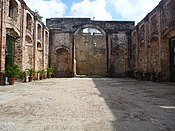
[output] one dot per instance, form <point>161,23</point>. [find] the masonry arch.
<point>13,9</point>
<point>169,35</point>
<point>29,22</point>
<point>90,51</point>
<point>12,45</point>
<point>62,61</point>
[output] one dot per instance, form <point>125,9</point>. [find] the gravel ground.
<point>87,104</point>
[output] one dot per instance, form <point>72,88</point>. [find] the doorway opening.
<point>10,50</point>
<point>90,52</point>
<point>172,60</point>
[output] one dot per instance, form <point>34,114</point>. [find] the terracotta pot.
<point>30,79</point>
<point>41,77</point>
<point>49,75</point>
<point>1,77</point>
<point>11,81</point>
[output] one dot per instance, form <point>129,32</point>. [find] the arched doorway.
<point>12,40</point>
<point>172,58</point>
<point>90,51</point>
<point>62,62</point>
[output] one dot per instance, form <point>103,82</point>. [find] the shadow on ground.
<point>138,105</point>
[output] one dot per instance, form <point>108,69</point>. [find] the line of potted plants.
<point>147,75</point>
<point>13,71</point>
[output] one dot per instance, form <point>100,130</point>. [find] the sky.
<point>117,10</point>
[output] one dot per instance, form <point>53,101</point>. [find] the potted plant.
<point>153,75</point>
<point>50,71</point>
<point>31,73</point>
<point>1,77</point>
<point>42,74</point>
<point>22,76</point>
<point>12,71</point>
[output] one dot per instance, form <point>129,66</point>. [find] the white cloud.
<point>49,8</point>
<point>129,9</point>
<point>134,9</point>
<point>90,9</point>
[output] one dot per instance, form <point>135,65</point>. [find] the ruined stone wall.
<point>19,22</point>
<point>28,40</point>
<point>112,55</point>
<point>119,54</point>
<point>61,54</point>
<point>150,40</point>
<point>2,33</point>
<point>46,48</point>
<point>91,54</point>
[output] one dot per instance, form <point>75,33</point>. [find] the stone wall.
<point>60,53</point>
<point>91,54</point>
<point>109,58</point>
<point>151,40</point>
<point>31,44</point>
<point>119,54</point>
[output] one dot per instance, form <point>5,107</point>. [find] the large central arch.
<point>90,51</point>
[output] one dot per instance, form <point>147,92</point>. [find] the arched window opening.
<point>154,23</point>
<point>46,42</point>
<point>61,51</point>
<point>142,34</point>
<point>13,9</point>
<point>39,46</point>
<point>28,39</point>
<point>39,31</point>
<point>91,31</point>
<point>47,37</point>
<point>29,22</point>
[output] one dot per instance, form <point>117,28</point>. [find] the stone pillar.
<point>108,37</point>
<point>3,12</point>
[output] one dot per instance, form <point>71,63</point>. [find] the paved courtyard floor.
<point>87,104</point>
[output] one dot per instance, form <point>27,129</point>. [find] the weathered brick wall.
<point>151,39</point>
<point>91,54</point>
<point>119,54</point>
<point>117,40</point>
<point>60,53</point>
<point>21,25</point>
<point>3,12</point>
<point>46,48</point>
<point>28,41</point>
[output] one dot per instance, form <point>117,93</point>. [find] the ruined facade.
<point>153,42</point>
<point>24,39</point>
<point>120,47</point>
<point>81,46</point>
<point>102,50</point>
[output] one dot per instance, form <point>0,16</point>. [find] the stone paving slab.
<point>87,104</point>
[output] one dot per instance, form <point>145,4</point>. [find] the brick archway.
<point>90,51</point>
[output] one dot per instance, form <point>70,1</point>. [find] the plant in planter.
<point>31,73</point>
<point>22,76</point>
<point>147,76</point>
<point>50,72</point>
<point>42,74</point>
<point>141,74</point>
<point>153,75</point>
<point>1,77</point>
<point>12,71</point>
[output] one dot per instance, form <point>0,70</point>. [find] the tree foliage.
<point>36,13</point>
